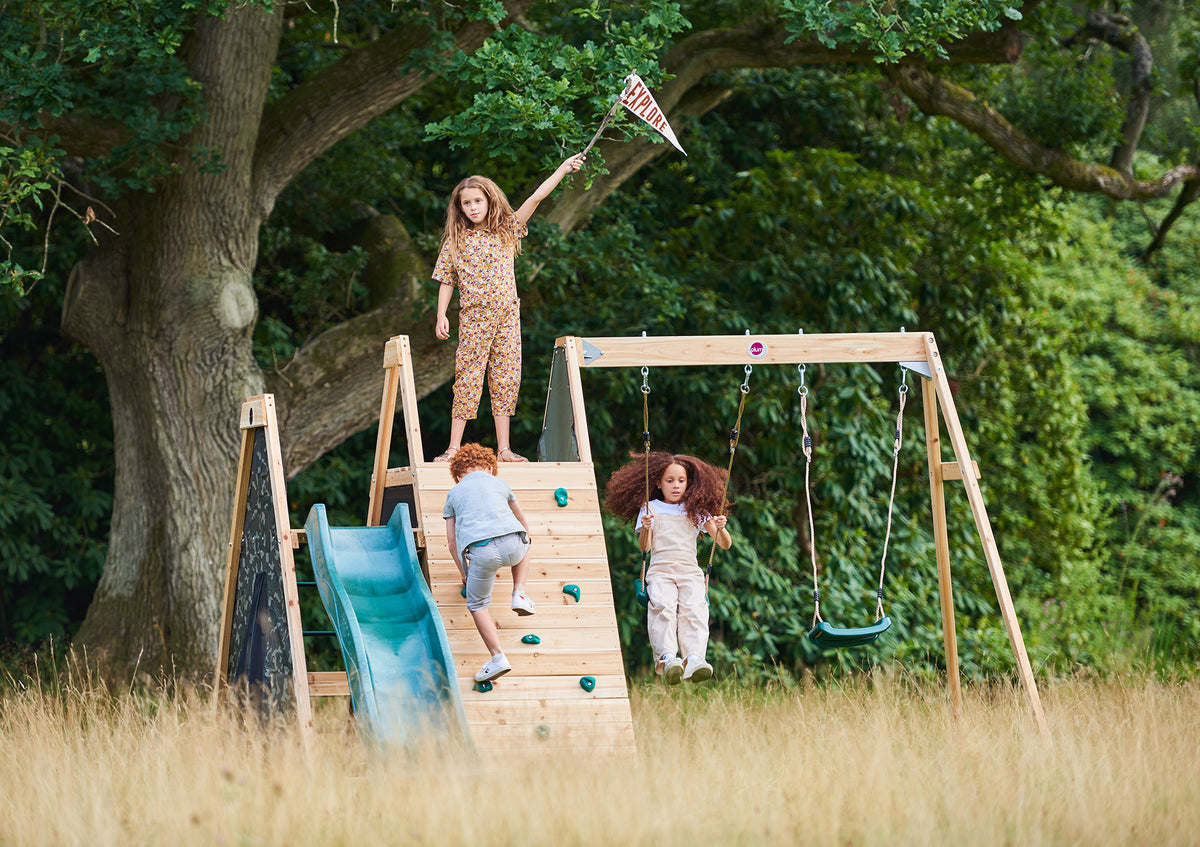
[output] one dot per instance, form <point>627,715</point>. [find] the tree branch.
<point>347,95</point>
<point>1189,195</point>
<point>1119,32</point>
<point>758,43</point>
<point>937,96</point>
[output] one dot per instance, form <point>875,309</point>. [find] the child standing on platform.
<point>686,499</point>
<point>482,238</point>
<point>486,530</point>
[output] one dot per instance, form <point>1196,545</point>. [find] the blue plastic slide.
<point>398,662</point>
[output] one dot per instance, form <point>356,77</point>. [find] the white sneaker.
<point>495,667</point>
<point>521,604</point>
<point>673,670</point>
<point>696,669</point>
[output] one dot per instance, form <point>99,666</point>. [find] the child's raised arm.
<point>569,166</point>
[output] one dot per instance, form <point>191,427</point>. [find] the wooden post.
<point>984,528</point>
<point>575,382</point>
<point>397,380</point>
<point>941,540</point>
<point>383,443</point>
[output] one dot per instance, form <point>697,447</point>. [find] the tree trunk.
<point>169,313</point>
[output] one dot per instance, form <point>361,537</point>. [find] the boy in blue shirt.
<point>486,530</point>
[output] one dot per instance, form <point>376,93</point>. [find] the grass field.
<point>870,762</point>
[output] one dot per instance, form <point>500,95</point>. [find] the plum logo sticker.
<point>757,350</point>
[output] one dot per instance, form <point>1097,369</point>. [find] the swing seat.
<point>832,636</point>
<point>639,591</point>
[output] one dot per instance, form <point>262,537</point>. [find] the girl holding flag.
<point>479,245</point>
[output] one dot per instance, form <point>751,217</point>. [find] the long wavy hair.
<point>499,216</point>
<point>625,493</point>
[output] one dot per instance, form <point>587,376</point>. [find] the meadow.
<point>875,759</point>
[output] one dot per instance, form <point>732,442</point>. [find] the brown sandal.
<point>447,456</point>
<point>508,451</point>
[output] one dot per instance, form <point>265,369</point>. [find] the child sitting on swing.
<point>673,500</point>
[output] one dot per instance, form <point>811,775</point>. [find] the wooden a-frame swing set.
<point>916,351</point>
<point>261,582</point>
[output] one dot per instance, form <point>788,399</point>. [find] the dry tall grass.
<point>867,763</point>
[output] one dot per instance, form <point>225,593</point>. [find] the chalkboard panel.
<point>393,496</point>
<point>260,651</point>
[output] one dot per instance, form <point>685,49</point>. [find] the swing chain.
<point>746,381</point>
<point>646,412</point>
<point>902,390</point>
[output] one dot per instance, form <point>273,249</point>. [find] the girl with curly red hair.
<point>686,499</point>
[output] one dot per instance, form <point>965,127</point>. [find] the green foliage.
<point>23,179</point>
<point>305,287</point>
<point>892,30</point>
<point>533,86</point>
<point>56,476</point>
<point>1136,364</point>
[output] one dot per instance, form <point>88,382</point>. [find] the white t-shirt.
<point>662,507</point>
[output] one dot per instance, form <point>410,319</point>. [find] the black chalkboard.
<point>260,658</point>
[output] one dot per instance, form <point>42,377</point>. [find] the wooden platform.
<point>540,704</point>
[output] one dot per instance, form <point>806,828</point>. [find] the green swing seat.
<point>832,636</point>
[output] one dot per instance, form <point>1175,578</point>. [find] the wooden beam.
<point>253,413</point>
<point>328,684</point>
<point>672,350</point>
<point>951,471</point>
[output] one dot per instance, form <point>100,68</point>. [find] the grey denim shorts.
<point>484,559</point>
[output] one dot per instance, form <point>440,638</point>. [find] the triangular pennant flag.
<point>638,99</point>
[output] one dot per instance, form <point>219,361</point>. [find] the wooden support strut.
<point>983,527</point>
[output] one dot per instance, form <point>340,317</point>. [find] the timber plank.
<point>527,688</point>
<point>545,711</point>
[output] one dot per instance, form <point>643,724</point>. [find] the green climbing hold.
<point>530,639</point>
<point>573,590</point>
<point>587,683</point>
<point>560,496</point>
<point>483,687</point>
<point>542,731</point>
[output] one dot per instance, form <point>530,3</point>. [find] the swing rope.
<point>641,587</point>
<point>903,390</point>
<point>802,390</point>
<point>812,534</point>
<point>734,436</point>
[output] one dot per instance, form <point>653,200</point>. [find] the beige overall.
<point>677,614</point>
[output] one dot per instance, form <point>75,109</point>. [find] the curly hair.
<point>471,456</point>
<point>625,493</point>
<point>499,215</point>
